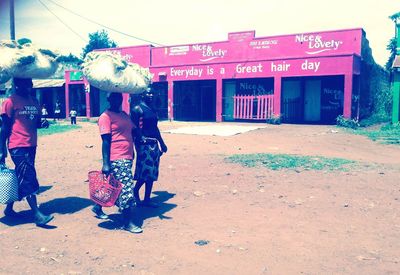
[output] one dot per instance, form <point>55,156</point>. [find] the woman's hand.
<point>164,147</point>
<point>106,169</point>
<point>44,124</point>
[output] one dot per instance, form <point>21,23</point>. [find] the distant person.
<point>149,147</point>
<point>117,150</point>
<point>44,112</point>
<point>21,117</point>
<point>57,111</point>
<point>72,114</point>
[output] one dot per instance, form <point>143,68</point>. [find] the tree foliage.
<point>391,46</point>
<point>23,41</point>
<point>69,59</point>
<point>98,40</point>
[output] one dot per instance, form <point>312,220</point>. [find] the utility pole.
<point>12,24</point>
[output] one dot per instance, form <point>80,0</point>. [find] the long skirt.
<point>122,171</point>
<point>24,160</point>
<point>147,162</point>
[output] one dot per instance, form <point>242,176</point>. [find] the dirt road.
<point>255,220</point>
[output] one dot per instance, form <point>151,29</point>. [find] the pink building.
<point>302,78</point>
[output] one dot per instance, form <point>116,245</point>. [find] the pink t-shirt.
<point>120,126</point>
<point>24,113</point>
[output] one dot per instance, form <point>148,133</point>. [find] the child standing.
<point>73,115</point>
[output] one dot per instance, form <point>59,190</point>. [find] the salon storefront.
<point>300,78</point>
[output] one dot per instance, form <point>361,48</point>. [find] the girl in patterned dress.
<point>149,147</point>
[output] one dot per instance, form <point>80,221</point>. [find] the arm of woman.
<point>137,118</point>
<point>5,131</point>
<point>105,150</point>
<point>164,147</point>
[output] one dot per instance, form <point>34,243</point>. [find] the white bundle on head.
<point>110,72</point>
<point>25,61</point>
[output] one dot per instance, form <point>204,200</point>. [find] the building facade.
<point>299,78</point>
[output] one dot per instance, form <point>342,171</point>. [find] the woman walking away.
<point>116,130</point>
<point>21,118</point>
<point>147,141</point>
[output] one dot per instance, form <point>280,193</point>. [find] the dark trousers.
<point>24,160</point>
<point>73,120</point>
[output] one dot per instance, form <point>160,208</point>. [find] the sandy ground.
<point>256,221</point>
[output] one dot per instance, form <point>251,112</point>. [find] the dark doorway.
<point>312,99</point>
<point>77,99</point>
<point>195,100</point>
<point>160,99</point>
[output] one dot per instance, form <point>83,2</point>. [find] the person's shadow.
<point>67,205</point>
<point>142,213</point>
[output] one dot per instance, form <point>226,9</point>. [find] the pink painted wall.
<point>134,54</point>
<point>244,46</point>
<point>290,67</point>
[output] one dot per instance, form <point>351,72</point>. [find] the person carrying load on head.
<point>21,117</point>
<point>116,130</point>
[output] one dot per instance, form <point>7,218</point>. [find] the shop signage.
<point>208,52</point>
<point>294,67</point>
<point>128,57</point>
<point>317,44</point>
<point>76,76</point>
<point>263,44</point>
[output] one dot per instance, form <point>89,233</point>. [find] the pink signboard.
<point>313,66</point>
<point>135,54</point>
<point>243,46</point>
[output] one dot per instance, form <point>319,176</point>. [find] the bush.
<point>347,122</point>
<point>375,119</point>
<point>275,119</point>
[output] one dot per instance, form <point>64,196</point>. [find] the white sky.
<point>187,21</point>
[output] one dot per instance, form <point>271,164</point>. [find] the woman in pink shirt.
<point>21,118</point>
<point>116,130</point>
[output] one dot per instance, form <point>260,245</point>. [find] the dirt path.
<point>256,221</point>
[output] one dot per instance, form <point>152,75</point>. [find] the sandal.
<point>43,220</point>
<point>133,229</point>
<point>99,213</point>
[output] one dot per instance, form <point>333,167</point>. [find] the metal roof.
<point>48,83</point>
<point>396,62</point>
<point>39,83</point>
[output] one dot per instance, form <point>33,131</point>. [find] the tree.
<point>391,46</point>
<point>69,59</point>
<point>98,40</point>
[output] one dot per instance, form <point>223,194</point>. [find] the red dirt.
<point>257,221</point>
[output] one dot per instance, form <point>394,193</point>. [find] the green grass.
<point>388,134</point>
<point>57,128</point>
<point>293,162</point>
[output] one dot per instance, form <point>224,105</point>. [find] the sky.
<point>176,22</point>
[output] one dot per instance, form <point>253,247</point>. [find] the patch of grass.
<point>57,128</point>
<point>283,161</point>
<point>387,134</point>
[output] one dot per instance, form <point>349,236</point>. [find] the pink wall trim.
<point>277,95</point>
<point>348,91</point>
<point>218,107</point>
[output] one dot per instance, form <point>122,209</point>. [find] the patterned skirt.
<point>122,171</point>
<point>24,160</point>
<point>147,162</point>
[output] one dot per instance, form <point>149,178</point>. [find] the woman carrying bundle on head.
<point>20,120</point>
<point>116,130</point>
